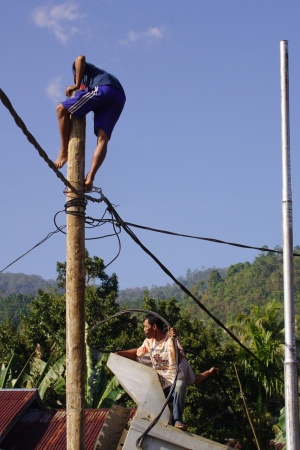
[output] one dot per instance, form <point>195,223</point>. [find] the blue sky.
<point>197,149</point>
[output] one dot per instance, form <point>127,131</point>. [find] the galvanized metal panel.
<point>12,403</point>
<point>46,430</point>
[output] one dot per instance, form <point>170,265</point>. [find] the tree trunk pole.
<point>75,291</point>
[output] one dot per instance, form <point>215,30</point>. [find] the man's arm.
<point>130,354</point>
<point>174,334</point>
<point>202,376</point>
<point>79,72</point>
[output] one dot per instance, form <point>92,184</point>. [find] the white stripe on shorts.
<point>85,98</point>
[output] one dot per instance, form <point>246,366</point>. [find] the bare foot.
<point>88,183</point>
<point>61,159</point>
<point>180,425</point>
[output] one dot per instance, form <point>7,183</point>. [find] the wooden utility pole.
<point>75,291</point>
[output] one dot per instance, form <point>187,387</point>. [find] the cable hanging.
<point>218,241</point>
<point>19,122</point>
<point>6,102</point>
<point>182,287</point>
<point>49,235</point>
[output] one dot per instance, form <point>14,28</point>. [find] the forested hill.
<point>224,292</point>
<point>18,290</point>
<point>19,283</point>
<point>133,296</point>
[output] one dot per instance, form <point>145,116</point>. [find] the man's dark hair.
<point>153,320</point>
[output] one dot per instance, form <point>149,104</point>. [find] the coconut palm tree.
<point>262,332</point>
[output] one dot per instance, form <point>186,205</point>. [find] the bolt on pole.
<point>290,358</point>
<point>75,290</point>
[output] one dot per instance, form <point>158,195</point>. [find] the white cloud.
<point>62,20</point>
<point>54,90</point>
<point>150,36</point>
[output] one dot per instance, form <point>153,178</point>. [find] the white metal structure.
<point>142,384</point>
<point>290,360</point>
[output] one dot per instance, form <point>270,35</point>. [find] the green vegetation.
<point>248,298</point>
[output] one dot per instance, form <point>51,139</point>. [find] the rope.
<point>6,102</point>
<point>19,122</point>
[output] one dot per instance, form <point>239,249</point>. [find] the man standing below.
<point>94,90</point>
<point>159,345</point>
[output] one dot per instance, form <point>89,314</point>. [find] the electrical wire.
<point>182,287</point>
<point>125,225</point>
<point>6,102</point>
<point>59,229</point>
<point>218,241</point>
<point>101,222</point>
<point>19,122</point>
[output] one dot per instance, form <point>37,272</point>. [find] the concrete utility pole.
<point>290,360</point>
<point>75,291</point>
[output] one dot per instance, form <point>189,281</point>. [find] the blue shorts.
<point>106,102</point>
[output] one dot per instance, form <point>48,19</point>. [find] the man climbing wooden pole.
<point>75,290</point>
<point>95,90</point>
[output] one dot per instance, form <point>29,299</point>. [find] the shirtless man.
<point>94,90</point>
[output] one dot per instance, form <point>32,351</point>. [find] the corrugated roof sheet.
<point>13,404</point>
<point>26,425</point>
<point>45,430</point>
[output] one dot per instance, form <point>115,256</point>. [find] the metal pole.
<point>75,291</point>
<point>290,361</point>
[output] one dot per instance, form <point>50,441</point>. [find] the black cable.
<point>182,287</point>
<point>6,102</point>
<point>90,220</point>
<point>127,311</point>
<point>59,229</point>
<point>119,241</point>
<point>218,241</point>
<point>79,203</point>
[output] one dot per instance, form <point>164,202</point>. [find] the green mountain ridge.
<point>20,283</point>
<point>17,290</point>
<point>225,292</point>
